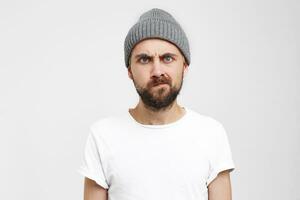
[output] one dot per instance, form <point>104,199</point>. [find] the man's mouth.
<point>159,84</point>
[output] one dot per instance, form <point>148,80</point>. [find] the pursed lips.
<point>159,84</point>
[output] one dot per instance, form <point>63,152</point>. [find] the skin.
<point>165,64</point>
<point>156,61</point>
<point>220,187</point>
<point>93,191</point>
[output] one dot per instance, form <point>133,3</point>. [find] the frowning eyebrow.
<point>142,55</point>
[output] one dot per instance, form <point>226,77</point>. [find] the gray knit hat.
<point>157,23</point>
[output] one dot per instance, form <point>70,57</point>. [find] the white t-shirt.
<point>174,161</point>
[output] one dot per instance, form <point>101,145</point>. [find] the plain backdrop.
<point>62,67</point>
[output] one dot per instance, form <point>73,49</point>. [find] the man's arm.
<point>220,188</point>
<point>93,191</point>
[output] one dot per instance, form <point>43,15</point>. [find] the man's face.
<point>157,68</point>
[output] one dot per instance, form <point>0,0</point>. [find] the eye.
<point>144,60</point>
<point>168,58</point>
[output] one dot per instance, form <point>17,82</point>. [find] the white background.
<point>62,68</point>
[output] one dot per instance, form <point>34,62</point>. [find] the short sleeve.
<point>221,156</point>
<point>92,166</point>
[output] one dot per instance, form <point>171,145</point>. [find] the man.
<point>158,150</point>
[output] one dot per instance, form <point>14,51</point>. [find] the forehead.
<point>155,46</point>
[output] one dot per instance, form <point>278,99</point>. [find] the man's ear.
<point>185,68</point>
<point>129,72</point>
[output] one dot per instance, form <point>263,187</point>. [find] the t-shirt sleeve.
<point>92,162</point>
<point>221,157</point>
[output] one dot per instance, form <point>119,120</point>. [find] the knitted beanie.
<point>157,23</point>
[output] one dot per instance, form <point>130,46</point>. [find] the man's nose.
<point>157,68</point>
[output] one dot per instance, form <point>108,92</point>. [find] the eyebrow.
<point>141,55</point>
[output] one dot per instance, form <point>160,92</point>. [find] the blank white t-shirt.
<point>174,161</point>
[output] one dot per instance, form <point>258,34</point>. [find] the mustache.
<point>158,81</point>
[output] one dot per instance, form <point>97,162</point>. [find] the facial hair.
<point>157,99</point>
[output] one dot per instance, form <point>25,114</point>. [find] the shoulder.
<point>209,127</point>
<point>204,119</point>
<point>105,125</point>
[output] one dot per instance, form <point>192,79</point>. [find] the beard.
<point>157,97</point>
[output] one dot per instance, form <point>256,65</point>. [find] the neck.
<point>144,115</point>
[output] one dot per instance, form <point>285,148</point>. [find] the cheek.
<point>176,78</point>
<point>140,78</point>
